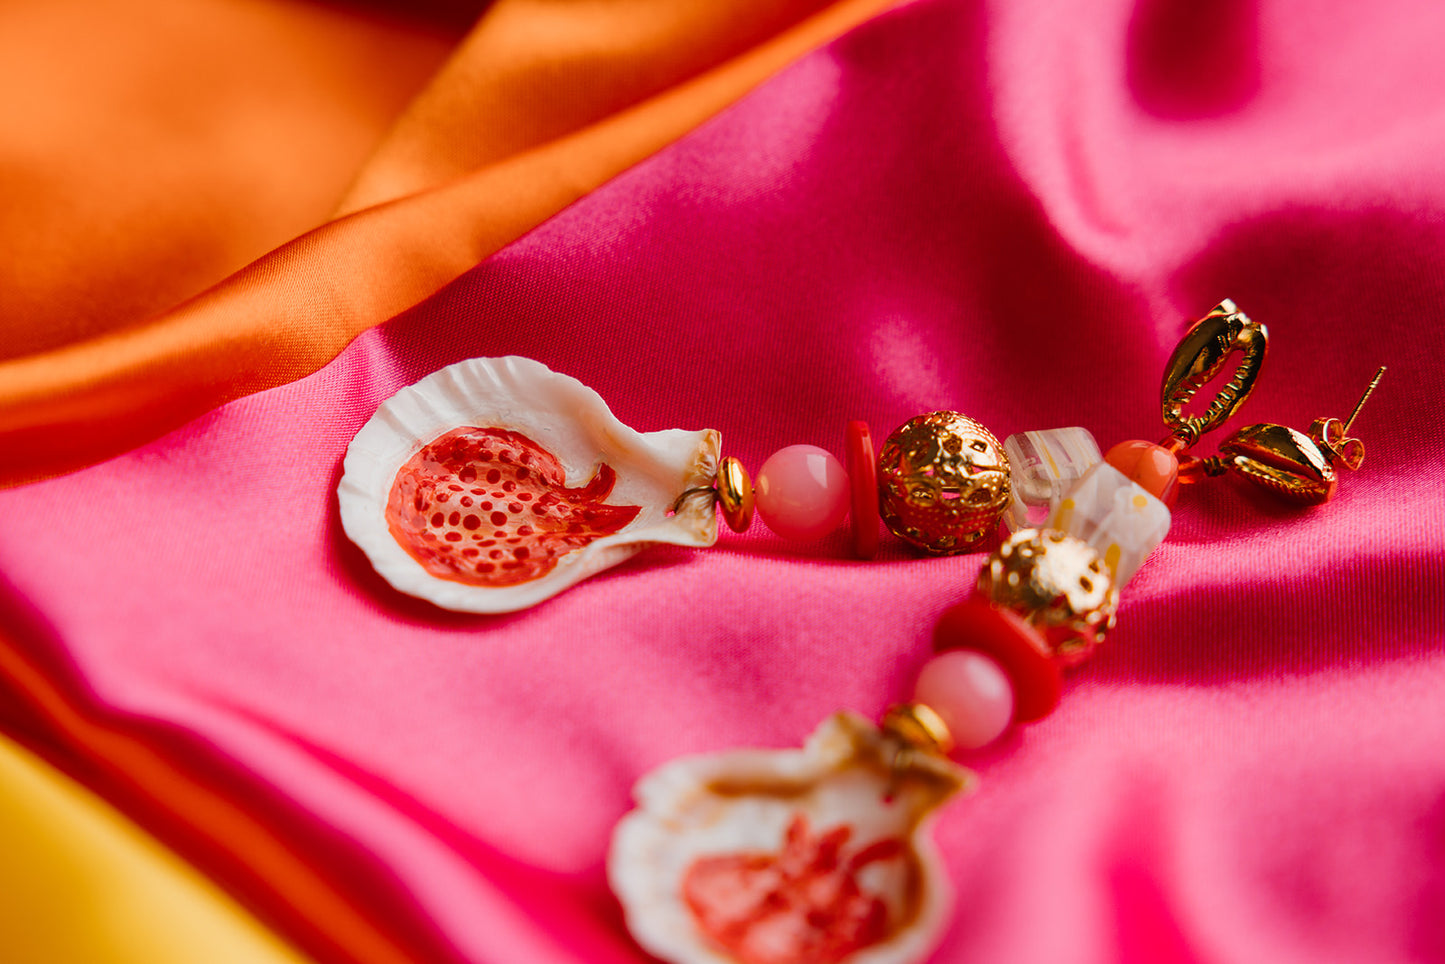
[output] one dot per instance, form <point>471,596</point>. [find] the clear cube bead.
<point>1116,516</point>
<point>1043,467</point>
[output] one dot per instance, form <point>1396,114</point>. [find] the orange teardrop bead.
<point>1152,467</point>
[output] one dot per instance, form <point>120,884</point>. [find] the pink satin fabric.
<point>1011,209</point>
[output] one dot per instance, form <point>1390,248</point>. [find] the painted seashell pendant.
<point>819,855</point>
<point>496,483</point>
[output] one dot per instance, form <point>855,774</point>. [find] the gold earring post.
<point>1364,398</point>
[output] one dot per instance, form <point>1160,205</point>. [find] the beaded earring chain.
<point>458,490</point>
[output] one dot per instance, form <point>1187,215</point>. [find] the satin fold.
<point>150,148</point>
<point>292,310</point>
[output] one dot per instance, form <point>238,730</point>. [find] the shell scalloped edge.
<point>561,415</point>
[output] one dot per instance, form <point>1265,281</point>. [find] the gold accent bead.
<point>735,494</point>
<point>943,482</point>
<point>920,726</point>
<point>1059,584</point>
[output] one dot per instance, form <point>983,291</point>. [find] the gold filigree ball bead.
<point>1059,585</point>
<point>943,482</point>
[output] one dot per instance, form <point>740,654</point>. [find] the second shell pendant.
<point>818,855</point>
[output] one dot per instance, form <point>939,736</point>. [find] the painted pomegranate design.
<point>804,904</point>
<point>818,855</point>
<point>491,507</point>
<point>496,483</point>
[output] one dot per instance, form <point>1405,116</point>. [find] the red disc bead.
<point>863,477</point>
<point>1152,467</point>
<point>1014,644</point>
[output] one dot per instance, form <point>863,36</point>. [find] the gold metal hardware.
<point>1201,355</point>
<point>919,726</point>
<point>1334,438</point>
<point>1281,460</point>
<point>1295,465</point>
<point>1059,584</point>
<point>735,494</point>
<point>943,482</point>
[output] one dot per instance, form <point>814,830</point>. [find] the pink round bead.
<point>802,492</point>
<point>971,692</point>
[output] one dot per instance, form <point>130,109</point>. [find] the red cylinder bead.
<point>1014,644</point>
<point>1152,467</point>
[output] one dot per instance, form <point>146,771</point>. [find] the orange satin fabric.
<point>149,148</point>
<point>541,103</point>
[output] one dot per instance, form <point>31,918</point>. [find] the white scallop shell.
<point>703,807</point>
<point>563,416</point>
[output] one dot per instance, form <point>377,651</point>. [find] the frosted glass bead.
<point>1043,467</point>
<point>802,492</point>
<point>972,694</point>
<point>1116,516</point>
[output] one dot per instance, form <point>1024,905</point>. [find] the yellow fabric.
<point>80,884</point>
